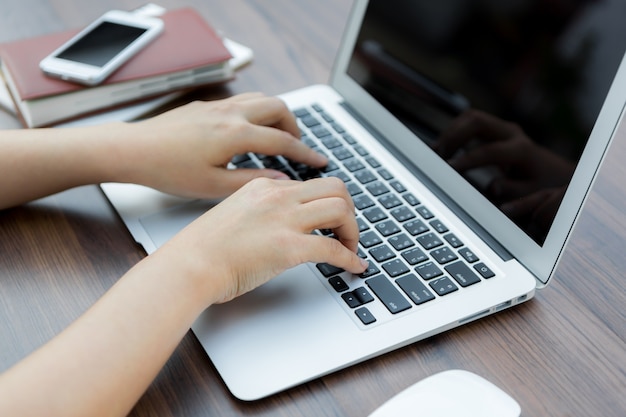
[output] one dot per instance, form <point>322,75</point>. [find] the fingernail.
<point>364,263</point>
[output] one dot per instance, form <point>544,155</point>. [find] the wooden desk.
<point>562,354</point>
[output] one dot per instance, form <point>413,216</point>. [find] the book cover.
<point>188,53</point>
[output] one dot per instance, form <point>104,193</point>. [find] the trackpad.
<point>163,225</point>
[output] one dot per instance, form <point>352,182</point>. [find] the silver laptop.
<point>447,243</point>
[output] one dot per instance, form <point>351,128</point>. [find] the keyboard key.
<point>484,270</point>
<point>369,239</point>
<point>387,228</point>
<point>374,214</point>
<point>388,294</point>
<point>362,151</point>
<point>462,274</point>
<point>373,162</point>
<point>382,253</point>
<point>342,153</point>
<point>428,270</point>
<point>328,270</point>
<point>395,268</point>
<point>416,227</point>
<point>363,226</point>
<point>362,201</point>
<point>339,174</point>
<point>301,112</point>
<point>249,164</point>
<point>328,118</point>
<point>397,185</point>
<point>443,286</point>
<point>309,121</point>
<point>385,174</point>
<point>402,214</point>
<point>401,242</point>
<point>415,289</point>
<point>309,173</point>
<point>444,255</point>
<point>320,131</point>
<point>425,213</point>
<point>353,165</point>
<point>237,159</point>
<point>438,226</point>
<point>351,300</point>
<point>363,295</point>
<point>353,188</point>
<point>410,198</point>
<point>377,188</point>
<point>468,255</point>
<point>414,256</point>
<point>338,128</point>
<point>330,142</point>
<point>453,240</point>
<point>429,241</point>
<point>349,139</point>
<point>338,283</point>
<point>365,316</point>
<point>365,176</point>
<point>389,201</point>
<point>272,162</point>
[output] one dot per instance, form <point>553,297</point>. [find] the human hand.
<point>263,229</point>
<point>185,151</point>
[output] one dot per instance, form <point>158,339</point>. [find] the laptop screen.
<point>506,92</point>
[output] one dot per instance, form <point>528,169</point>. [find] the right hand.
<point>263,229</point>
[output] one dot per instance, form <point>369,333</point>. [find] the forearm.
<point>39,162</point>
<point>103,362</point>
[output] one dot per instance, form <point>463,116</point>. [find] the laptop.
<point>447,243</point>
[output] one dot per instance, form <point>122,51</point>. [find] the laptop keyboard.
<point>413,257</point>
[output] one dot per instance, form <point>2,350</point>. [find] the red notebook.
<point>188,53</point>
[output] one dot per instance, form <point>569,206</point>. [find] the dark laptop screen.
<point>506,91</point>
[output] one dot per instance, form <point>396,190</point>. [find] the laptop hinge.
<point>462,214</point>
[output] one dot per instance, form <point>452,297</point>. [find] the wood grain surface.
<point>561,354</point>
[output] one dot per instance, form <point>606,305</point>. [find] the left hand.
<point>185,150</point>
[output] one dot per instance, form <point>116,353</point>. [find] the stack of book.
<point>188,54</point>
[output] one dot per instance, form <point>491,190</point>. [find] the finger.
<point>334,213</point>
<point>271,111</point>
<point>318,188</point>
<point>272,141</point>
<point>331,251</point>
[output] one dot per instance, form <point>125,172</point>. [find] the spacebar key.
<point>388,294</point>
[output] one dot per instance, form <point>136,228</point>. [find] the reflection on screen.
<point>102,44</point>
<point>506,92</point>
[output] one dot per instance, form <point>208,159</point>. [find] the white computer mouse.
<point>454,393</point>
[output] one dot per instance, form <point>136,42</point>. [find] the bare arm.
<point>183,151</point>
<point>103,362</point>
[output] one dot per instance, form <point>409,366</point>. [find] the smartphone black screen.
<point>101,44</point>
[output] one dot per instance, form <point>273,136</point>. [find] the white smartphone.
<point>102,47</point>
